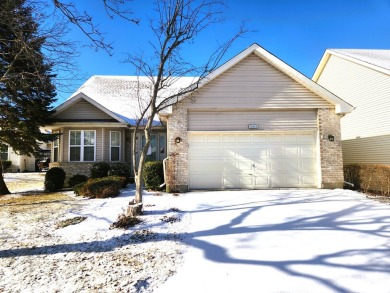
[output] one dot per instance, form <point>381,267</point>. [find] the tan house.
<point>362,78</point>
<point>256,123</point>
<point>253,123</point>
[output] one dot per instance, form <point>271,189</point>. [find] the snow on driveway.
<point>284,241</point>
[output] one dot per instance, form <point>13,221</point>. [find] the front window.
<point>115,142</point>
<point>82,145</point>
<point>3,152</point>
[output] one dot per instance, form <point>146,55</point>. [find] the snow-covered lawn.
<point>227,241</point>
<point>87,257</point>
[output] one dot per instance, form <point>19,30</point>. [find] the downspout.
<point>164,170</point>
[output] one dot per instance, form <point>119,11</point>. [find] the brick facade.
<point>178,172</point>
<point>330,151</point>
<point>74,168</point>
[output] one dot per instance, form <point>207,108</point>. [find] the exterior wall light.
<point>330,137</point>
<point>178,140</point>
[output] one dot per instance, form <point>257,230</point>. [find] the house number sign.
<point>253,126</point>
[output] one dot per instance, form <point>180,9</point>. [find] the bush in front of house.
<point>100,170</point>
<point>153,175</point>
<point>77,179</point>
<point>4,165</point>
<point>121,170</point>
<point>54,179</point>
<point>369,177</point>
<point>100,187</point>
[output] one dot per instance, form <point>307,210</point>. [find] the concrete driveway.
<point>284,241</point>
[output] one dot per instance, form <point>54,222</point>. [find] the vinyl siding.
<point>239,121</point>
<point>370,150</point>
<point>83,110</point>
<point>366,89</point>
<point>254,84</point>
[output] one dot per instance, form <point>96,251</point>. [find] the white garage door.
<point>251,160</point>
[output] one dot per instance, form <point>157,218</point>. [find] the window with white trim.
<point>82,145</point>
<point>56,144</point>
<point>3,152</point>
<point>115,146</point>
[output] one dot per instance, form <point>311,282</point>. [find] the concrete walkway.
<point>284,241</point>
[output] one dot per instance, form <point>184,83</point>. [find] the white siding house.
<point>361,78</point>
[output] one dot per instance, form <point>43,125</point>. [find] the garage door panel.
<point>231,181</point>
<point>293,181</point>
<point>307,165</point>
<point>244,138</point>
<point>310,138</point>
<point>229,138</point>
<point>292,166</point>
<point>231,167</point>
<point>253,160</point>
<point>259,138</point>
<point>262,181</point>
<point>277,165</point>
<point>292,152</point>
<point>245,152</point>
<point>260,166</point>
<point>200,167</point>
<point>308,152</point>
<point>211,181</point>
<point>275,152</point>
<point>260,153</point>
<point>244,166</point>
<point>308,180</point>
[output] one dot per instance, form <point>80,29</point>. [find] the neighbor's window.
<point>82,145</point>
<point>3,152</point>
<point>115,146</point>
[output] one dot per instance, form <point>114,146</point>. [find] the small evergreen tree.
<point>26,87</point>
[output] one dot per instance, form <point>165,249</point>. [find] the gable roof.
<point>118,96</point>
<point>378,60</point>
<point>341,107</point>
<point>79,96</point>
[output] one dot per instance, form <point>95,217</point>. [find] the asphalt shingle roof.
<point>380,58</point>
<point>123,95</point>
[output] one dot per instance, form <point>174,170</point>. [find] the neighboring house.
<point>362,78</point>
<point>255,122</point>
<point>21,163</point>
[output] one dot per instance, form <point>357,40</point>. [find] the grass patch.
<point>71,221</point>
<point>34,198</point>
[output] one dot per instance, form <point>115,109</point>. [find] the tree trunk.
<point>138,187</point>
<point>3,188</point>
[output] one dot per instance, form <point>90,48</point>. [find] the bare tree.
<point>85,23</point>
<point>179,23</point>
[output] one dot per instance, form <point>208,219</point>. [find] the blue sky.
<point>296,31</point>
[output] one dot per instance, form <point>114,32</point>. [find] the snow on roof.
<point>125,96</point>
<point>380,58</point>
